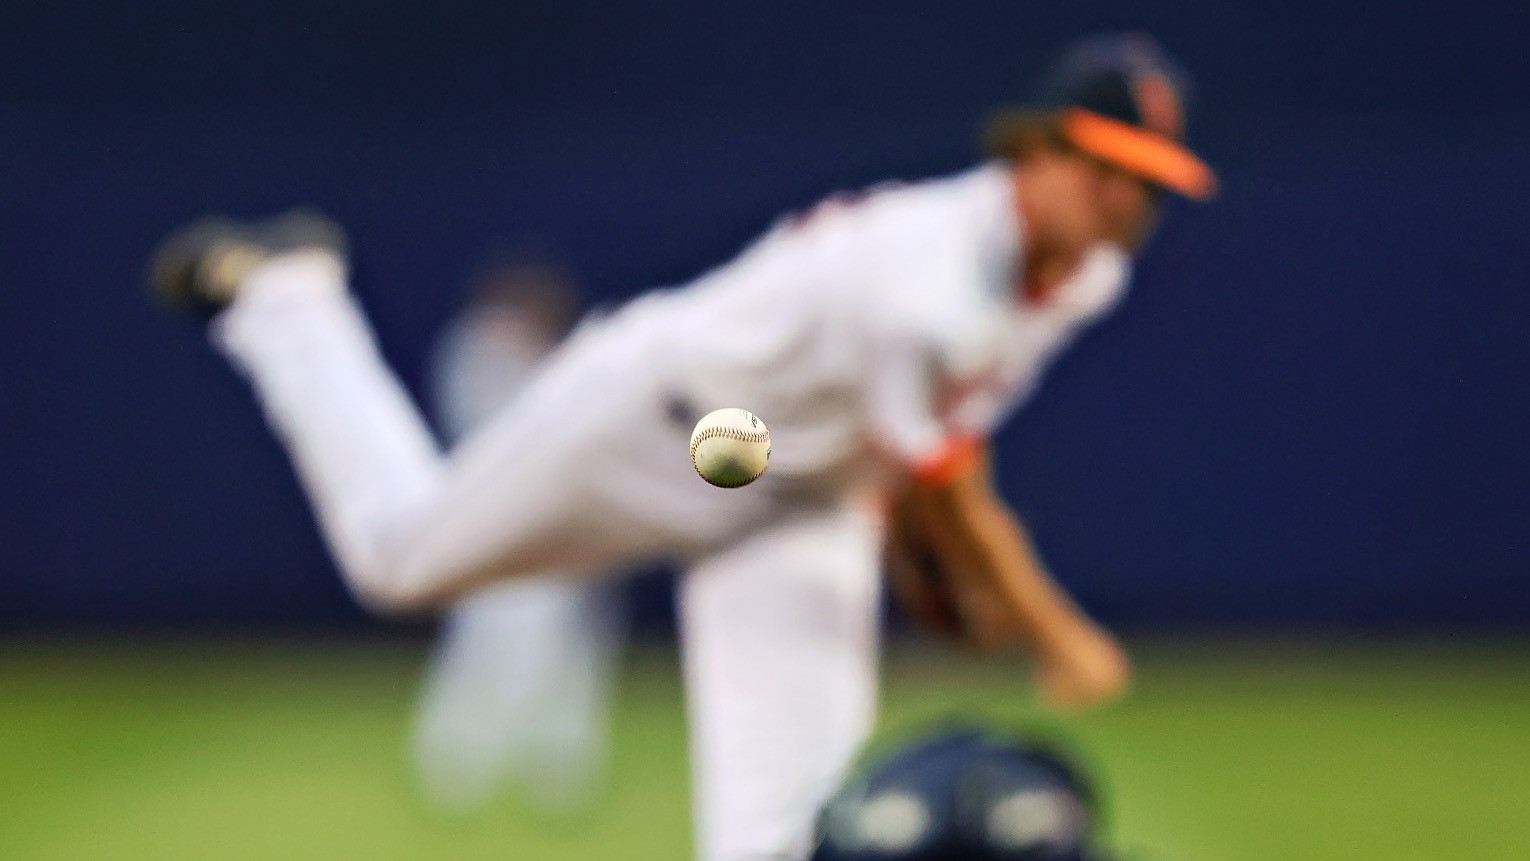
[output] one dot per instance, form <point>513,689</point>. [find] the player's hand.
<point>1084,668</point>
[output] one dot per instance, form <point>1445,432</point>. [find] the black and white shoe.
<point>198,268</point>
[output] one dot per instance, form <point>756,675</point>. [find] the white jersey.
<point>884,327</point>
<point>885,331</point>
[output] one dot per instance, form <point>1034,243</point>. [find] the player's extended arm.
<point>999,592</point>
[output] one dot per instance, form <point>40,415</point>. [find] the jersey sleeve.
<point>952,360</point>
<point>984,404</point>
<point>927,390</point>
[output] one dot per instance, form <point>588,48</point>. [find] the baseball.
<point>730,447</point>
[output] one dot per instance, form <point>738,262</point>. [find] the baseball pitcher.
<point>883,337</point>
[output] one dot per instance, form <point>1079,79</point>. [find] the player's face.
<point>1088,201</point>
<point>1128,207</point>
<point>1072,202</point>
<point>1065,193</point>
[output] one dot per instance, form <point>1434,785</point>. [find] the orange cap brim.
<point>1153,157</point>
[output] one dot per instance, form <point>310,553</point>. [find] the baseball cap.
<point>1121,99</point>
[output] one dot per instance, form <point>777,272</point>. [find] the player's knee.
<point>387,589</point>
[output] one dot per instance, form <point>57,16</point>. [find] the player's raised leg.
<point>410,527</point>
<point>780,635</point>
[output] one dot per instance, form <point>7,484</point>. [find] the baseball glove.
<point>943,594</point>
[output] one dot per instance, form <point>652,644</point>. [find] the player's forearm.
<point>979,535</point>
<point>1041,610</point>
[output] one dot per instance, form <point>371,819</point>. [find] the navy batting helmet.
<point>963,795</point>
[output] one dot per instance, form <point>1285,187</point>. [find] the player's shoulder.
<point>950,201</point>
<point>946,239</point>
<point>934,206</point>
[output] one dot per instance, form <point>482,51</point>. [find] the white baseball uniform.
<point>872,336</point>
<point>518,688</point>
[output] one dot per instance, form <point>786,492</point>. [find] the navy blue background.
<point>1311,409</point>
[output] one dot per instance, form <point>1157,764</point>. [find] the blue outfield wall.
<point>1310,410</point>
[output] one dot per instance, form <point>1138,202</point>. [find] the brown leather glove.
<point>918,583</point>
<point>943,596</point>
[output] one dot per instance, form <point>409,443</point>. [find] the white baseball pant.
<point>780,648</point>
<point>585,472</point>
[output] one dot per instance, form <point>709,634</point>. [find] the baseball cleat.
<point>198,268</point>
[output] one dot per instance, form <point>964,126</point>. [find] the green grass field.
<point>1225,752</point>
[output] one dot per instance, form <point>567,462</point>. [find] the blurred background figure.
<point>517,692</point>
<point>963,793</point>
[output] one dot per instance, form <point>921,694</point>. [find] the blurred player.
<point>519,686</point>
<point>882,338</point>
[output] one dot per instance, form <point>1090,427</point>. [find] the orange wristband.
<point>959,457</point>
